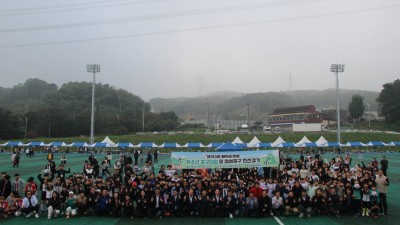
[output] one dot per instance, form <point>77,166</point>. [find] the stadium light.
<point>337,68</point>
<point>93,68</point>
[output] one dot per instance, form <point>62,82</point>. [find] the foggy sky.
<point>255,53</point>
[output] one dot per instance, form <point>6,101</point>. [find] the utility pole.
<point>248,115</point>
<point>369,118</point>
<point>26,126</point>
<point>143,118</point>
<point>337,68</point>
<point>93,68</point>
<point>208,115</point>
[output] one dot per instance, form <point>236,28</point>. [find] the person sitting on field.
<point>291,204</point>
<point>30,205</point>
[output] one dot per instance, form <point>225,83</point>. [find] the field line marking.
<point>278,220</point>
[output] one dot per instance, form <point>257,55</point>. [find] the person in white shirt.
<point>30,205</point>
<point>277,204</point>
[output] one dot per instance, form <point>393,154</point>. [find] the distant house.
<point>282,119</point>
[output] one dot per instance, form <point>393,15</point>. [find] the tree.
<point>356,107</point>
<point>389,103</point>
<point>10,124</point>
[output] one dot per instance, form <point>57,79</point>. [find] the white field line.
<point>278,220</point>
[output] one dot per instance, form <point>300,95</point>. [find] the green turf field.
<point>33,166</point>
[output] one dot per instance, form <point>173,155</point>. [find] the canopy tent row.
<point>237,142</point>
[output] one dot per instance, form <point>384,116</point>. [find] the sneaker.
<point>301,215</point>
<point>29,214</point>
<point>36,215</point>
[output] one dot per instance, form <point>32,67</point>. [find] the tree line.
<point>40,109</point>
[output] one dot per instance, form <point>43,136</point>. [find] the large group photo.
<point>216,112</point>
<point>228,182</point>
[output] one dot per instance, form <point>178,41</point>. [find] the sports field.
<point>32,167</point>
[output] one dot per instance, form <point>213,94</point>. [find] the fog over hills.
<point>231,105</point>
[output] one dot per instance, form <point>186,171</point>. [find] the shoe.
<point>308,215</point>
<point>36,215</point>
<point>367,213</point>
<point>29,214</point>
<point>231,216</point>
<point>301,215</point>
<point>337,215</point>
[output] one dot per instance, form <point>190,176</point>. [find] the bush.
<point>121,130</point>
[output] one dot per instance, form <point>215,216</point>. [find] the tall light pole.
<point>48,119</point>
<point>93,68</point>
<point>337,68</point>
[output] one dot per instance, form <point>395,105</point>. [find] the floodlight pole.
<point>337,68</point>
<point>93,68</point>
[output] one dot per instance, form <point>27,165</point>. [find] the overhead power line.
<point>73,7</point>
<point>163,16</point>
<point>212,27</point>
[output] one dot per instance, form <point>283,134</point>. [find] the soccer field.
<point>32,167</point>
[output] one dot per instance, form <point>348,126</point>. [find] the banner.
<point>236,159</point>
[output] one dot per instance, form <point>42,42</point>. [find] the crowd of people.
<point>303,187</point>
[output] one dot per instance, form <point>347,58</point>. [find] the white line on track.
<point>278,220</point>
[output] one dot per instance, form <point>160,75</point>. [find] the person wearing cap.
<point>18,184</point>
<point>30,205</point>
<point>70,206</point>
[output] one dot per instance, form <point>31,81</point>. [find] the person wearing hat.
<point>70,206</point>
<point>30,205</point>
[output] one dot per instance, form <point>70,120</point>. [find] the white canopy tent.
<point>254,142</point>
<point>303,142</point>
<point>108,141</point>
<point>237,141</point>
<point>321,141</point>
<point>277,142</point>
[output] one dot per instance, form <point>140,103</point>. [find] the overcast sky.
<point>173,48</point>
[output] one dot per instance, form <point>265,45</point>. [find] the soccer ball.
<point>17,213</point>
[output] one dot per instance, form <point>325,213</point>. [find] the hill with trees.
<point>48,110</point>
